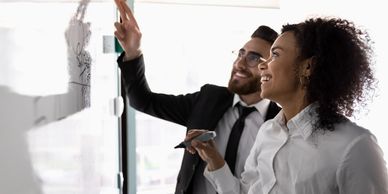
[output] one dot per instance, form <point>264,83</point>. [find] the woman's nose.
<point>262,65</point>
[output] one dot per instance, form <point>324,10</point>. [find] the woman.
<point>318,70</point>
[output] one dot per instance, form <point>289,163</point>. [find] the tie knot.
<point>245,111</point>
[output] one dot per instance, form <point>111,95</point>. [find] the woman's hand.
<point>206,150</point>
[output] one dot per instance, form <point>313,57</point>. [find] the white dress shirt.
<point>290,159</point>
<point>253,123</point>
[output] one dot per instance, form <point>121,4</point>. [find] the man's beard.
<point>252,86</point>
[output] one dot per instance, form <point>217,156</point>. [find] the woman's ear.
<point>305,71</point>
<point>307,66</point>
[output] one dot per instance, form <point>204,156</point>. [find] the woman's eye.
<point>274,54</point>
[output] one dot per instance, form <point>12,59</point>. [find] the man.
<point>212,108</point>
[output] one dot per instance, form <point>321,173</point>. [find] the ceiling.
<point>238,3</point>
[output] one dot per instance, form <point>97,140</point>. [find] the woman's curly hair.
<point>341,72</point>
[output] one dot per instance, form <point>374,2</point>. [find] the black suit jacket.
<point>200,110</point>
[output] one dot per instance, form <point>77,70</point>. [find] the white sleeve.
<point>223,180</point>
<point>225,183</point>
<point>363,169</point>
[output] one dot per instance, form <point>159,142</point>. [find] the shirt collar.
<point>302,123</point>
<point>261,106</point>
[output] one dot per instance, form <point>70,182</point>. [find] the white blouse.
<point>290,159</point>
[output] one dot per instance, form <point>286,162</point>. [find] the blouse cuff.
<point>222,179</point>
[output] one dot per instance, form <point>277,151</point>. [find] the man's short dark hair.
<point>265,33</point>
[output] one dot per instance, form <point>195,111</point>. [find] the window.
<point>187,44</point>
<point>184,46</point>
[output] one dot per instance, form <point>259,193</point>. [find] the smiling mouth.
<point>239,74</point>
<point>265,78</point>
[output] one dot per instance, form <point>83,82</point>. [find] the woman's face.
<point>279,74</point>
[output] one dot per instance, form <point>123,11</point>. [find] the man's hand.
<point>127,31</point>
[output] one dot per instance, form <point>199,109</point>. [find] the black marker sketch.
<point>38,119</point>
<point>77,37</point>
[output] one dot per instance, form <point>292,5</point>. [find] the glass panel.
<point>58,132</point>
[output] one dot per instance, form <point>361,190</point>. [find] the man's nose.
<point>241,62</point>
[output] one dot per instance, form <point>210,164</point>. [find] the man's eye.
<point>253,58</point>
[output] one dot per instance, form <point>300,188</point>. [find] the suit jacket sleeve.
<point>174,108</point>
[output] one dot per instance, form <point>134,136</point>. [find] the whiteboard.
<point>58,128</point>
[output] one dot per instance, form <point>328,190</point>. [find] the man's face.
<point>245,76</point>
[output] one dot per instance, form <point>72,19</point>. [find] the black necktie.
<point>235,134</point>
